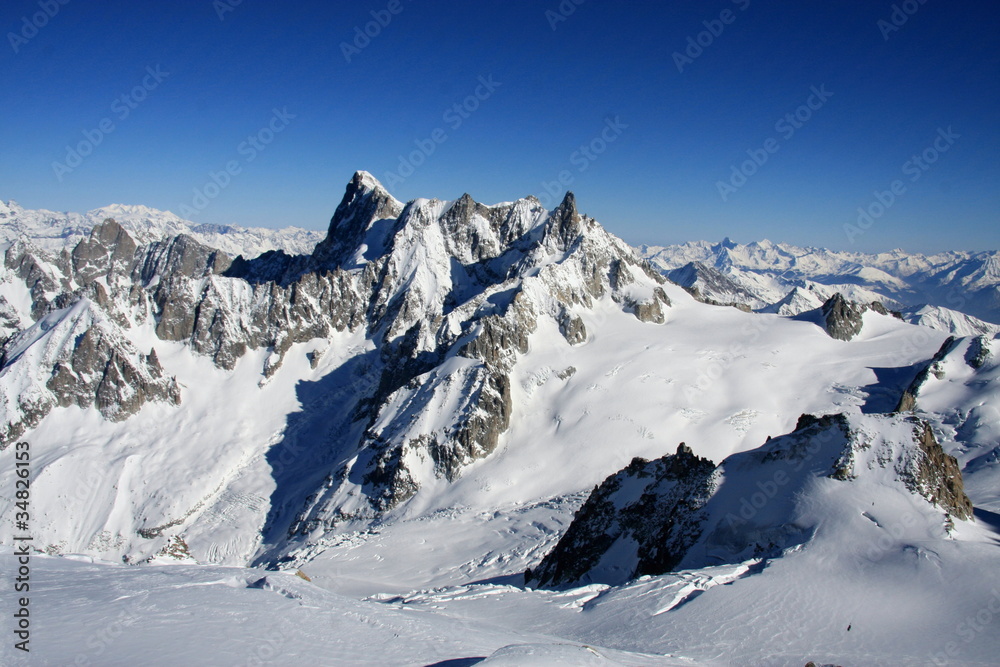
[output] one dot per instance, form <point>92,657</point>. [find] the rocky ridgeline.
<point>682,511</point>
<point>451,283</point>
<point>77,356</point>
<point>709,285</point>
<point>976,354</point>
<point>448,293</point>
<point>652,507</point>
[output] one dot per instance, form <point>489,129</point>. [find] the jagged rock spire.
<point>364,202</point>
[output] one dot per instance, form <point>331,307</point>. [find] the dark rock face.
<point>99,373</point>
<point>939,477</point>
<point>655,504</point>
<point>650,310</point>
<point>10,321</point>
<point>179,257</point>
<point>978,353</point>
<point>24,261</point>
<point>842,319</point>
<point>572,328</point>
<point>108,251</point>
<point>709,285</point>
<point>683,511</point>
<point>880,308</point>
<point>364,203</point>
<point>86,361</point>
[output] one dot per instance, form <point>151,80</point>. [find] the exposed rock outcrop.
<point>651,509</point>
<point>842,319</point>
<point>979,352</point>
<point>682,511</point>
<point>77,356</point>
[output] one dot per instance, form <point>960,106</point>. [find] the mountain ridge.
<point>964,281</point>
<point>437,389</point>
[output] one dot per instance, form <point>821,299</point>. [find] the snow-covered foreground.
<point>102,614</point>
<point>843,600</point>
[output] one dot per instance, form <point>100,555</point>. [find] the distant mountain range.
<point>53,231</point>
<point>777,277</point>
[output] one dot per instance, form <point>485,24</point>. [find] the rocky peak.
<point>109,250</point>
<point>842,319</point>
<point>566,224</point>
<point>650,512</point>
<point>365,201</point>
<point>709,285</point>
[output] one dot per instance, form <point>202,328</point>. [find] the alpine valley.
<point>494,435</point>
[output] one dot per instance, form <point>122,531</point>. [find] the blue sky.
<point>669,120</point>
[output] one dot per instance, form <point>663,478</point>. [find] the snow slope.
<point>108,615</point>
<point>960,394</point>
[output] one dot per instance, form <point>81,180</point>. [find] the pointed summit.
<point>566,222</point>
<point>366,180</point>
<point>364,202</point>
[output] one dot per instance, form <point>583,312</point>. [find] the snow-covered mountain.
<point>412,411</point>
<point>55,231</point>
<point>762,275</point>
<point>761,503</point>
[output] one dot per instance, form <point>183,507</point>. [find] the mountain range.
<point>503,425</point>
<point>958,291</point>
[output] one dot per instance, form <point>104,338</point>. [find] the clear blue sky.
<point>678,133</point>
